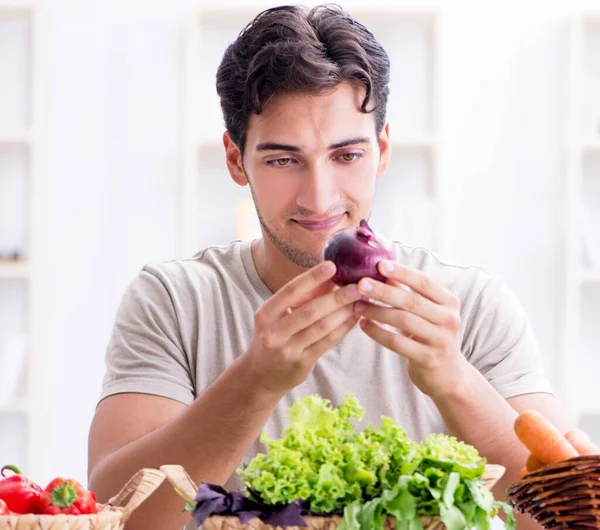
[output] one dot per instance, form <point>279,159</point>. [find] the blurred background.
<point>110,158</point>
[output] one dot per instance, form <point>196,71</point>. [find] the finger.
<point>315,310</point>
<point>321,328</point>
<point>291,294</point>
<point>318,291</point>
<point>405,346</point>
<point>408,323</point>
<point>411,301</point>
<point>418,281</point>
<point>330,340</point>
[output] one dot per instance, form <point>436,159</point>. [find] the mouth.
<point>320,224</point>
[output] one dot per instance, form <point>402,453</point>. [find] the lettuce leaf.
<point>322,462</point>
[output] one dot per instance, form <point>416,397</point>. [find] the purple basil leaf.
<point>288,515</point>
<point>205,509</point>
<point>246,517</point>
<point>210,491</point>
<point>255,494</point>
<point>239,502</point>
<point>212,499</point>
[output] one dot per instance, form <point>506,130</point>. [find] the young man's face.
<point>312,162</point>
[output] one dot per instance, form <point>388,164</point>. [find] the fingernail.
<point>362,322</point>
<point>352,291</point>
<point>328,267</point>
<point>366,286</point>
<point>360,307</point>
<point>387,266</point>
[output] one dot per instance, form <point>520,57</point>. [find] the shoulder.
<point>464,280</point>
<point>482,294</point>
<point>210,266</point>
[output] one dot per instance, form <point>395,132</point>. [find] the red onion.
<point>356,251</point>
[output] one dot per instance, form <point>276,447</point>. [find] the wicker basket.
<point>563,495</point>
<point>110,516</point>
<point>181,481</point>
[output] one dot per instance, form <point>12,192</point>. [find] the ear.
<point>233,158</point>
<point>385,149</point>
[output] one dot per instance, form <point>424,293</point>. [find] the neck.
<point>274,269</point>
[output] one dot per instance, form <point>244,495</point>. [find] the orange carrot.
<point>533,463</point>
<point>523,472</point>
<point>542,438</point>
<point>582,443</point>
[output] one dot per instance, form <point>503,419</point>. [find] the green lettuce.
<point>370,475</point>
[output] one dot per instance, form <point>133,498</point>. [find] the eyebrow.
<point>274,146</point>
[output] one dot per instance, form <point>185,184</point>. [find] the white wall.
<point>115,88</point>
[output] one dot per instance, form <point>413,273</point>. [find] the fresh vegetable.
<point>582,443</point>
<point>4,508</point>
<point>533,463</point>
<point>20,494</point>
<point>356,251</point>
<point>212,499</point>
<point>325,465</point>
<point>542,438</point>
<point>67,496</point>
<point>320,458</point>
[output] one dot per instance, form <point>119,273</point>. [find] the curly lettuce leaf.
<point>446,452</point>
<point>322,461</point>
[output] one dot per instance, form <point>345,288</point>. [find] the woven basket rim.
<point>310,518</point>
<point>556,471</point>
<point>562,495</point>
<point>105,511</point>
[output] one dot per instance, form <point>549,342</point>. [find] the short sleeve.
<point>499,341</point>
<point>144,353</point>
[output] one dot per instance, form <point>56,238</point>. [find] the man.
<point>209,351</point>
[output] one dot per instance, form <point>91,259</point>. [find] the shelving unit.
<point>17,269</point>
<point>24,191</point>
<point>580,353</point>
<point>216,211</point>
<point>589,275</point>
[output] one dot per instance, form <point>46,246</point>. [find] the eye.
<point>350,157</point>
<point>280,162</point>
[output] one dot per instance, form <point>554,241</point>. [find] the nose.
<point>319,191</point>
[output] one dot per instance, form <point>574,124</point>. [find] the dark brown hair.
<point>291,49</point>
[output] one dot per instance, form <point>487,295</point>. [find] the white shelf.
<point>16,406</point>
<point>240,9</point>
<point>590,411</point>
<point>31,132</point>
<point>575,364</point>
<point>590,275</point>
<point>12,270</point>
<point>19,138</point>
<point>13,9</point>
<point>591,146</point>
<point>402,142</point>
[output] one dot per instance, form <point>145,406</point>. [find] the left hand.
<point>427,325</point>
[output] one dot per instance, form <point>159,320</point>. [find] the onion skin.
<point>356,251</point>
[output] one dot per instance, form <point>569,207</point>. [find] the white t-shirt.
<point>181,323</point>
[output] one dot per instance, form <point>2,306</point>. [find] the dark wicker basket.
<point>563,495</point>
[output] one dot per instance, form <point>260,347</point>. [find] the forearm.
<point>475,413</point>
<point>209,439</point>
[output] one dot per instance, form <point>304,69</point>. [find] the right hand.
<point>297,325</point>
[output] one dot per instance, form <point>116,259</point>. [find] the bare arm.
<point>210,437</point>
<point>477,414</point>
<point>427,324</point>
